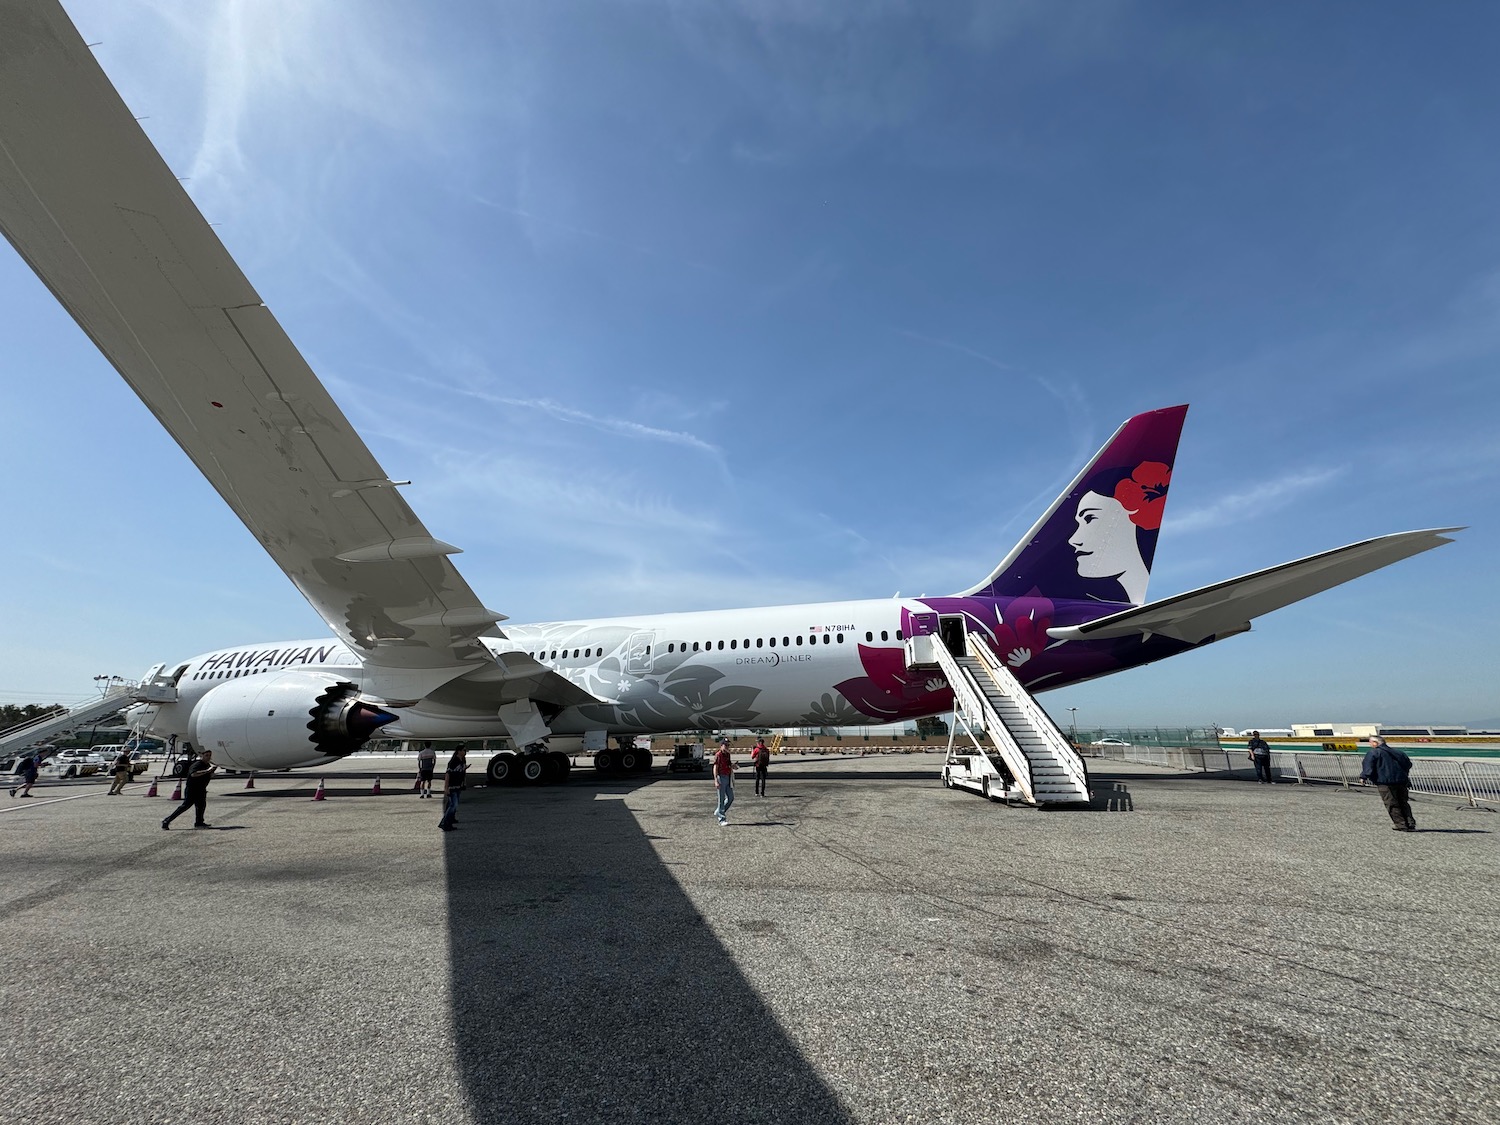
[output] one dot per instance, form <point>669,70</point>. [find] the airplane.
<point>91,206</point>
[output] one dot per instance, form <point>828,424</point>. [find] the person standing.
<point>195,791</point>
<point>1390,771</point>
<point>122,773</point>
<point>1260,755</point>
<point>723,782</point>
<point>760,758</point>
<point>28,770</point>
<point>426,763</point>
<point>453,783</point>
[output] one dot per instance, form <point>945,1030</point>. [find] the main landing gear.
<point>536,765</point>
<point>625,759</point>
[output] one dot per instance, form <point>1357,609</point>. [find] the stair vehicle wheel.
<point>947,781</point>
<point>502,768</point>
<point>985,789</point>
<point>533,769</point>
<point>561,766</point>
<point>604,761</point>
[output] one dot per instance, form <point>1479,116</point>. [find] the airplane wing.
<point>1227,607</point>
<point>91,206</point>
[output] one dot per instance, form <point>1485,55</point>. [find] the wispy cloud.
<point>531,217</point>
<point>1260,500</point>
<point>625,427</point>
<point>610,425</point>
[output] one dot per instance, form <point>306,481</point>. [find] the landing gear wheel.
<point>561,766</point>
<point>502,768</point>
<point>630,761</point>
<point>645,756</point>
<point>604,761</point>
<point>533,769</point>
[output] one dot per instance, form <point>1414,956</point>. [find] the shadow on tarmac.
<point>587,987</point>
<point>1455,831</point>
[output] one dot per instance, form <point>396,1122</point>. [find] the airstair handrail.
<point>963,684</point>
<point>113,700</point>
<point>1006,681</point>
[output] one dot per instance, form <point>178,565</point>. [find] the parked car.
<point>72,763</point>
<point>1109,742</point>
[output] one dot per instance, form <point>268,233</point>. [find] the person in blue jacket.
<point>1389,769</point>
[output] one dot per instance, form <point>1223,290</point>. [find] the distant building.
<point>1365,730</point>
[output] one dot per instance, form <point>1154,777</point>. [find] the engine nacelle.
<point>279,721</point>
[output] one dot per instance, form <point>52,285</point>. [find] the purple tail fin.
<point>1098,539</point>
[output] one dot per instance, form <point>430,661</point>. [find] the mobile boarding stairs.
<point>1018,753</point>
<point>118,697</point>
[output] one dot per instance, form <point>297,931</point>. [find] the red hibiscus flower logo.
<point>1144,493</point>
<point>1021,639</point>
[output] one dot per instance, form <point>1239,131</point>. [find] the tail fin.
<point>1098,539</point>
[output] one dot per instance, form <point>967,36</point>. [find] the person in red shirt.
<point>723,782</point>
<point>760,757</point>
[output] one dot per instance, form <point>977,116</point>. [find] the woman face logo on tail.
<point>1107,542</point>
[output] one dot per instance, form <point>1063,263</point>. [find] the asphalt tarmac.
<point>860,946</point>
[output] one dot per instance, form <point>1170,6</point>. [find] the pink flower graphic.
<point>1143,494</point>
<point>888,691</point>
<point>1021,638</point>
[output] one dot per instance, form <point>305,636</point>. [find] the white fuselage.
<point>776,666</point>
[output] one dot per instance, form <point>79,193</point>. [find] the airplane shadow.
<point>586,986</point>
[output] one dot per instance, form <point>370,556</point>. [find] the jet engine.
<point>278,721</point>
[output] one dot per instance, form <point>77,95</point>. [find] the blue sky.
<point>670,305</point>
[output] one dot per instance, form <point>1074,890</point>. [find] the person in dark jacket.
<point>28,771</point>
<point>195,790</point>
<point>453,783</point>
<point>1389,770</point>
<point>1260,755</point>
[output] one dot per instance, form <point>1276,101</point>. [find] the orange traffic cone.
<point>152,791</point>
<point>250,782</point>
<point>318,792</point>
<point>375,789</point>
<point>177,792</point>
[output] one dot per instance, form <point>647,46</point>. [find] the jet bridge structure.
<point>118,697</point>
<point>1015,752</point>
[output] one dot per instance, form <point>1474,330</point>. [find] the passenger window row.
<point>709,646</point>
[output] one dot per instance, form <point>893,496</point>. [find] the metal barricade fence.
<point>1441,777</point>
<point>1483,780</point>
<point>1476,781</point>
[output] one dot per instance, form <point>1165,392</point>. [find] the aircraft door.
<point>954,633</point>
<point>638,654</point>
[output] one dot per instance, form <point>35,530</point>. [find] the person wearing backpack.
<point>122,770</point>
<point>760,758</point>
<point>28,770</point>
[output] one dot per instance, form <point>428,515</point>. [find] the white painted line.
<point>50,801</point>
<point>610,796</point>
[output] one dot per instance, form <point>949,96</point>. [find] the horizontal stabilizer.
<point>1228,607</point>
